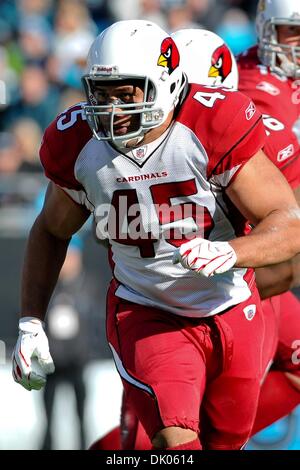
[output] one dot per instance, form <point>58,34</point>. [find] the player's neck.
<point>155,133</point>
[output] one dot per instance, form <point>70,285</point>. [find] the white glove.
<point>205,257</point>
<point>32,343</point>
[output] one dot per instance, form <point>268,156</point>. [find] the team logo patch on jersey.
<point>286,153</point>
<point>250,111</point>
<point>250,312</point>
<point>169,55</point>
<point>140,152</point>
<point>268,88</point>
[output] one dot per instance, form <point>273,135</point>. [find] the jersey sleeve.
<point>259,89</point>
<point>291,172</point>
<point>59,151</point>
<point>271,96</point>
<point>284,151</point>
<point>237,134</point>
<point>58,164</point>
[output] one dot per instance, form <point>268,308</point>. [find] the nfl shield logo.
<point>250,312</point>
<point>140,153</point>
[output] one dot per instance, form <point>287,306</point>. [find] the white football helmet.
<point>281,58</point>
<point>131,50</point>
<point>206,59</point>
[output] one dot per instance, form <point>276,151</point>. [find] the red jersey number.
<point>208,99</point>
<point>125,224</point>
<point>272,124</point>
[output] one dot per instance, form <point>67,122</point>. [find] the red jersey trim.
<point>233,147</point>
<point>55,175</point>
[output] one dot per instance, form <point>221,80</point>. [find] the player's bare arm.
<point>45,253</point>
<point>264,197</point>
<point>297,194</point>
<point>279,278</point>
<point>46,249</point>
<point>276,279</point>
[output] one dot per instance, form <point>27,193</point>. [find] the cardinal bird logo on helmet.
<point>221,63</point>
<point>169,56</point>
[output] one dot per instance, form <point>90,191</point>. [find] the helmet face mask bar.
<point>149,117</point>
<point>283,59</point>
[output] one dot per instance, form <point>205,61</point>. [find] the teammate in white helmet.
<point>163,167</point>
<point>206,59</point>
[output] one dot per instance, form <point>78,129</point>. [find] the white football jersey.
<point>150,200</point>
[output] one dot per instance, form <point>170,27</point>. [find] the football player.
<point>263,80</point>
<point>208,61</point>
<point>268,73</point>
<point>166,169</point>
